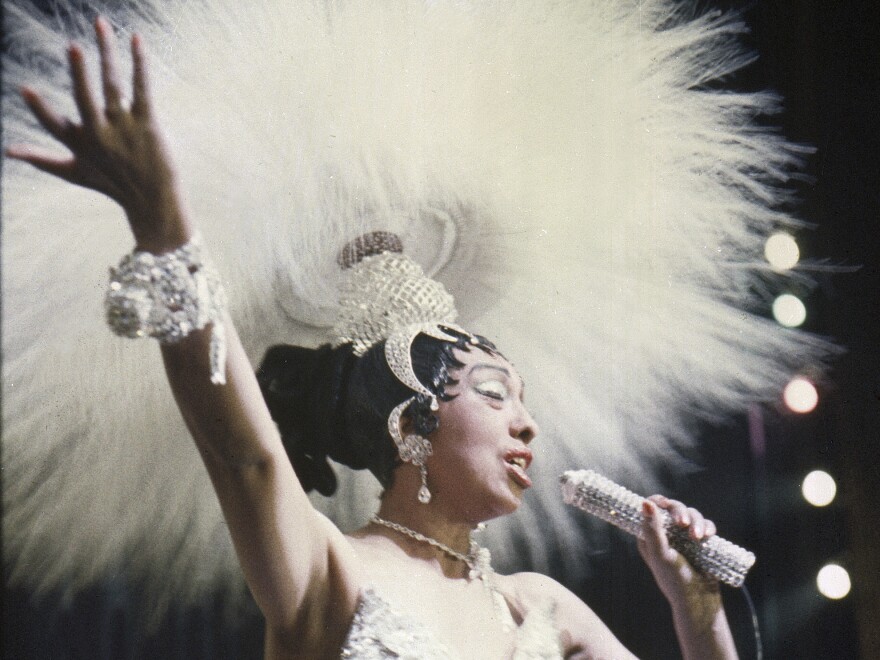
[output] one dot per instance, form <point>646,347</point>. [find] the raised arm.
<point>300,569</point>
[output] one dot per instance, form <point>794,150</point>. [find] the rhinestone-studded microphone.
<point>714,556</point>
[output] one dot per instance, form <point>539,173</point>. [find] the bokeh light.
<point>800,395</point>
<point>789,311</point>
<point>782,251</point>
<point>833,581</point>
<point>819,488</point>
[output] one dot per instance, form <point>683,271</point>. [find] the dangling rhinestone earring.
<point>413,448</point>
<point>424,493</point>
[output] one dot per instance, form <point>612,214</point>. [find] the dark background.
<point>822,56</point>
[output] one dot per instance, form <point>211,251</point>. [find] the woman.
<point>322,592</point>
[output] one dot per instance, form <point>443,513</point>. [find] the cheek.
<point>465,449</point>
<point>469,434</point>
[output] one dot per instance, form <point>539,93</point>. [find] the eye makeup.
<point>492,388</point>
<point>496,388</point>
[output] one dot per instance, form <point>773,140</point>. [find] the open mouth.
<point>517,464</point>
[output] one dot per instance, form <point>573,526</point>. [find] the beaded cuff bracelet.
<point>168,296</point>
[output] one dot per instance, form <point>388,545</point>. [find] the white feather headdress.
<point>569,170</point>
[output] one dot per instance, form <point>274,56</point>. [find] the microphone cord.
<point>756,628</point>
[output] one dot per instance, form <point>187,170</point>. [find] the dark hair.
<point>329,403</point>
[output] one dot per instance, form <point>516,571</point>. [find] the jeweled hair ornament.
<point>386,295</point>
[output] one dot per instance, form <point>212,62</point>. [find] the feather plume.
<point>571,171</point>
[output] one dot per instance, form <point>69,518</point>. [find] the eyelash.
<point>491,393</point>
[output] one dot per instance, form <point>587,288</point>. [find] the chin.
<point>490,501</point>
<point>509,502</point>
<point>494,506</point>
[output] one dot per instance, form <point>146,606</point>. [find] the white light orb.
<point>819,488</point>
<point>800,395</point>
<point>782,251</point>
<point>789,311</point>
<point>833,581</point>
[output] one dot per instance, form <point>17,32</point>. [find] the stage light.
<point>833,581</point>
<point>789,311</point>
<point>781,251</point>
<point>800,395</point>
<point>819,488</point>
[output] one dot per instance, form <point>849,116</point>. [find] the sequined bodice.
<point>380,631</point>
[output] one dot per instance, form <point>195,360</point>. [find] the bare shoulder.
<point>524,591</point>
<point>582,633</point>
<point>531,586</point>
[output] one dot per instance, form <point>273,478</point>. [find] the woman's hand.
<point>698,614</point>
<point>116,150</point>
<point>677,579</point>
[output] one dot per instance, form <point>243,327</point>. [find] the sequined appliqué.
<point>379,632</point>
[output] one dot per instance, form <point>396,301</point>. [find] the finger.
<point>55,124</point>
<point>711,530</point>
<point>653,533</point>
<point>82,94</point>
<point>677,511</point>
<point>140,104</point>
<point>698,524</point>
<point>67,168</point>
<point>60,167</point>
<point>109,77</point>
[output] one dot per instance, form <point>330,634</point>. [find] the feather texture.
<point>571,171</point>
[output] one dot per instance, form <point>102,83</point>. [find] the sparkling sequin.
<point>380,631</point>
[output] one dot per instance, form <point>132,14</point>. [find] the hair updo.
<point>330,404</point>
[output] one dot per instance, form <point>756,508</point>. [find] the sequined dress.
<point>380,631</point>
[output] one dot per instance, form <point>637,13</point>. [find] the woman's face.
<point>480,450</point>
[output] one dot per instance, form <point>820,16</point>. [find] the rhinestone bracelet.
<point>168,296</point>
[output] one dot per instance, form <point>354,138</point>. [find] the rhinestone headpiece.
<point>386,295</point>
<point>383,293</point>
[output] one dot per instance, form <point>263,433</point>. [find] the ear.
<point>406,426</point>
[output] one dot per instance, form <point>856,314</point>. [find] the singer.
<point>435,412</point>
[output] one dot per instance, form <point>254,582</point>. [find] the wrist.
<point>700,604</point>
<point>161,229</point>
<point>704,632</point>
<point>159,222</point>
<point>162,243</point>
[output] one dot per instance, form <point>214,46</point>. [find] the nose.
<point>523,426</point>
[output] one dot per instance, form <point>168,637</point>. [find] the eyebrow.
<point>486,365</point>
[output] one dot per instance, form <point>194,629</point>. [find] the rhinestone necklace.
<point>477,559</point>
